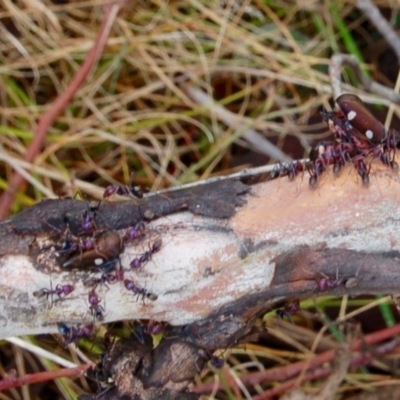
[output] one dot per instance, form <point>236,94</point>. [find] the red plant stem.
<point>317,374</point>
<point>61,103</point>
<point>294,369</point>
<point>321,373</point>
<point>12,382</point>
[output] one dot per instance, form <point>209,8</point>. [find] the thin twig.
<point>260,144</point>
<point>336,67</point>
<point>374,15</point>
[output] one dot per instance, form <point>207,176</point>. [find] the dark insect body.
<point>88,217</point>
<point>80,245</point>
<point>95,308</point>
<point>291,170</point>
<point>72,334</point>
<point>132,287</point>
<point>108,246</point>
<point>60,290</point>
<point>146,256</point>
<point>290,308</point>
<point>360,118</point>
<point>358,138</point>
<point>106,278</point>
<point>216,362</point>
<point>324,284</point>
<point>142,331</point>
<point>124,190</point>
<point>120,190</point>
<point>134,232</point>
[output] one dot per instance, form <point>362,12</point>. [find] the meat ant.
<point>95,308</point>
<point>123,190</point>
<point>106,278</point>
<point>290,308</point>
<point>216,361</point>
<point>134,232</point>
<point>72,334</point>
<point>88,217</point>
<point>357,135</point>
<point>146,256</point>
<point>132,287</point>
<point>60,290</point>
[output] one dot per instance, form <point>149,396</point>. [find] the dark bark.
<point>270,243</point>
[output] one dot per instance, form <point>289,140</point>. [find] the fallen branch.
<point>232,249</point>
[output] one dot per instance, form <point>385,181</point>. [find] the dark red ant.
<point>111,190</point>
<point>60,290</point>
<point>123,190</point>
<point>217,362</point>
<point>290,308</point>
<point>359,162</point>
<point>95,308</point>
<point>357,134</point>
<point>106,278</point>
<point>134,232</point>
<point>329,153</point>
<point>325,283</point>
<point>291,170</point>
<point>146,256</point>
<point>72,335</point>
<point>77,245</point>
<point>88,217</point>
<point>132,287</point>
<point>142,331</point>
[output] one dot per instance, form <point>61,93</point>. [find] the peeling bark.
<point>232,250</point>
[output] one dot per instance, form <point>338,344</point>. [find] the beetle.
<point>109,245</point>
<point>359,118</point>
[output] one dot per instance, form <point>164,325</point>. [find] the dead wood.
<point>232,249</point>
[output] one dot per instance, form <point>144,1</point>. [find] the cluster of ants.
<point>99,252</point>
<point>357,137</point>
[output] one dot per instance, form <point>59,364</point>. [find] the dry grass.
<point>184,90</point>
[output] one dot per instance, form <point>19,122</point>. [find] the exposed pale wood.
<point>272,248</point>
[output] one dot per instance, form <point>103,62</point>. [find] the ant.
<point>359,162</point>
<point>123,190</point>
<point>132,287</point>
<point>146,256</point>
<point>72,334</point>
<point>88,216</point>
<point>78,244</point>
<point>106,278</point>
<point>325,283</point>
<point>134,232</point>
<point>290,308</point>
<point>95,308</point>
<point>143,331</point>
<point>111,190</point>
<point>357,135</point>
<point>216,361</point>
<point>60,290</point>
